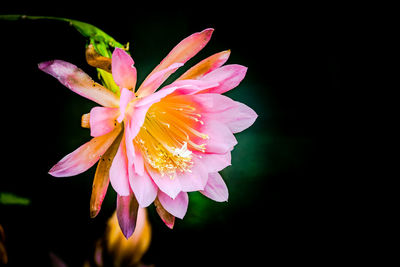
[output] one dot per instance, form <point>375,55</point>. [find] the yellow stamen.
<point>169,136</point>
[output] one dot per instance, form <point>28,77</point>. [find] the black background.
<point>294,59</point>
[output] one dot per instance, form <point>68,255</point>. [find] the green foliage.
<point>11,199</point>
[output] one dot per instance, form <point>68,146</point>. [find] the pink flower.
<point>156,146</point>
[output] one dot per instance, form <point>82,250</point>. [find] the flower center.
<point>168,136</point>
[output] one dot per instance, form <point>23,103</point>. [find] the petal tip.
<point>44,65</point>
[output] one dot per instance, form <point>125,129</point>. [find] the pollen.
<point>170,135</point>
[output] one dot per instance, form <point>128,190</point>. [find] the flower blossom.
<point>155,146</point>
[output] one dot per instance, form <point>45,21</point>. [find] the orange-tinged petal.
<point>102,177</point>
<point>85,156</point>
<point>165,216</point>
<point>206,65</point>
<point>85,120</point>
<point>94,59</point>
<point>181,53</point>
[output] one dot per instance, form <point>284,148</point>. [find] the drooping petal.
<point>85,156</point>
<point>155,80</point>
<point>144,188</point>
<point>221,139</point>
<point>177,206</point>
<point>102,120</point>
<point>216,188</point>
<point>165,216</point>
<point>126,97</point>
<point>119,176</point>
<point>181,53</point>
<point>127,210</point>
<point>206,65</point>
<point>123,69</point>
<point>79,82</point>
<point>228,77</point>
<point>102,177</point>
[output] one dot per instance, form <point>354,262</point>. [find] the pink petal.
<point>181,53</point>
<point>239,119</point>
<point>194,180</point>
<point>119,176</point>
<point>125,98</point>
<point>215,162</point>
<point>102,120</point>
<point>85,156</point>
<point>216,188</point>
<point>127,210</point>
<point>144,188</point>
<point>154,81</point>
<point>186,181</point>
<point>235,115</point>
<point>123,70</point>
<point>79,82</point>
<point>133,123</point>
<point>228,77</point>
<point>206,65</point>
<point>182,87</point>
<point>177,206</point>
<point>221,139</point>
<point>169,185</point>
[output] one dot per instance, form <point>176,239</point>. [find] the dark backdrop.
<point>279,180</point>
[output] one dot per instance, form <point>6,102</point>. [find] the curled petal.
<point>123,69</point>
<point>228,77</point>
<point>79,82</point>
<point>177,206</point>
<point>85,156</point>
<point>102,120</point>
<point>102,178</point>
<point>206,65</point>
<point>165,216</point>
<point>216,188</point>
<point>181,53</point>
<point>127,210</point>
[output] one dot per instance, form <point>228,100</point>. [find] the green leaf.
<point>11,199</point>
<point>100,40</point>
